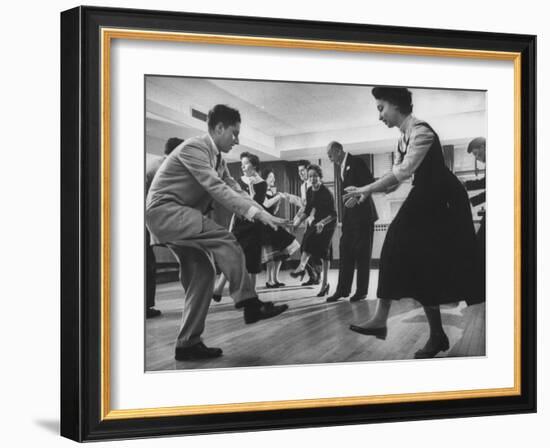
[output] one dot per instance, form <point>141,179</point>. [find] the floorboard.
<point>310,332</point>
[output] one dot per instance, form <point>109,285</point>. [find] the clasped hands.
<point>319,226</point>
<point>355,195</point>
<point>272,221</point>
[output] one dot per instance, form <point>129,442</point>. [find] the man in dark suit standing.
<point>357,226</point>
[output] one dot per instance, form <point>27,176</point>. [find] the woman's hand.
<point>319,226</point>
<point>351,202</point>
<point>295,224</point>
<point>356,192</point>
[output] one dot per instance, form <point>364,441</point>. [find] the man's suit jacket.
<point>184,187</point>
<point>152,165</point>
<point>476,184</point>
<point>357,174</point>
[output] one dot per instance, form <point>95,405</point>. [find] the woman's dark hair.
<point>398,96</point>
<point>317,169</point>
<point>253,159</point>
<point>266,172</point>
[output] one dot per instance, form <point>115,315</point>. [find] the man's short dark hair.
<point>478,142</point>
<point>226,115</point>
<point>398,96</point>
<point>171,144</point>
<point>253,159</point>
<point>304,163</point>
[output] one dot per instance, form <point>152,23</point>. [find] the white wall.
<point>30,228</point>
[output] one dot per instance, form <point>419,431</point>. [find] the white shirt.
<point>415,142</point>
<point>303,191</point>
<point>343,166</point>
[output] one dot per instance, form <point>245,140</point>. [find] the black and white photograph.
<point>273,223</point>
<point>295,223</point>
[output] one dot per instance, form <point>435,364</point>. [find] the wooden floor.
<point>310,332</point>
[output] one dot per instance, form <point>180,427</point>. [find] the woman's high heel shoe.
<point>296,274</point>
<point>430,350</point>
<point>324,290</point>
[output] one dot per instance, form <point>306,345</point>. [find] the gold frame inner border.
<point>109,34</point>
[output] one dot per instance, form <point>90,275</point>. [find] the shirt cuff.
<point>252,211</point>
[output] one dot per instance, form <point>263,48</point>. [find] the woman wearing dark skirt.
<point>277,245</point>
<point>249,234</point>
<point>260,243</point>
<point>429,250</point>
<point>318,237</point>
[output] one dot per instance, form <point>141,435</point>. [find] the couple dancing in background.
<point>260,243</point>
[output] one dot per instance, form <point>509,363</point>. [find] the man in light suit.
<point>357,226</point>
<point>192,176</point>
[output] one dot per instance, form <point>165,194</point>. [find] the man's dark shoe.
<point>262,310</point>
<point>356,297</point>
<point>197,351</point>
<point>335,297</point>
<point>152,312</point>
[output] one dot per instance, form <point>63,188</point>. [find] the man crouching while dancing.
<point>190,178</point>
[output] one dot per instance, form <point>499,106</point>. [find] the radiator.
<point>378,239</point>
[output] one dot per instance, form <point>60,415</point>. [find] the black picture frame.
<point>83,407</point>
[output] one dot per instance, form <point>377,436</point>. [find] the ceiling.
<point>290,116</point>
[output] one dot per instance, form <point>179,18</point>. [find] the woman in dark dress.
<point>277,245</point>
<point>249,234</point>
<point>318,236</point>
<point>429,250</point>
<point>260,243</point>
